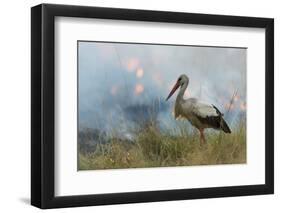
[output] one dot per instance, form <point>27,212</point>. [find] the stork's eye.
<point>179,79</point>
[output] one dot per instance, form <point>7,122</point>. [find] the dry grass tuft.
<point>151,148</point>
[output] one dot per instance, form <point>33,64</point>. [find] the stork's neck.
<point>181,92</point>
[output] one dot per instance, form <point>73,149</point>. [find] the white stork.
<point>199,114</point>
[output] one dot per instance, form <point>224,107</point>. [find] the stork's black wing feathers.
<point>216,122</point>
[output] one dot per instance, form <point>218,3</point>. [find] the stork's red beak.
<point>173,90</point>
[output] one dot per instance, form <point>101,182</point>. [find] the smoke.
<point>119,81</point>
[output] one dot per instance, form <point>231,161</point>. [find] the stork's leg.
<point>202,137</point>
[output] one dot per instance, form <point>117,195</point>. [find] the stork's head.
<point>182,80</point>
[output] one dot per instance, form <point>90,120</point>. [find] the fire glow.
<point>139,73</point>
<point>139,88</point>
<point>243,106</point>
<point>157,79</point>
<point>132,64</point>
<point>114,90</point>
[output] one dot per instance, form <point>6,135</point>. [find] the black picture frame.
<point>43,102</point>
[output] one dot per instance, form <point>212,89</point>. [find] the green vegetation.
<point>152,148</point>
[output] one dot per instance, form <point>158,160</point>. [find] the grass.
<point>152,148</point>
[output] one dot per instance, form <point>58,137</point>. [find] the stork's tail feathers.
<point>224,126</point>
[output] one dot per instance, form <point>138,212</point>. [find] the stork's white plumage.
<point>201,115</point>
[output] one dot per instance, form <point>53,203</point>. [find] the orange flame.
<point>139,73</point>
<point>139,89</point>
<point>132,64</point>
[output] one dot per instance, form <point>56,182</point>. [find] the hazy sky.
<point>117,79</point>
